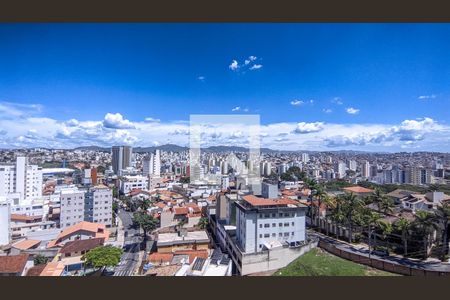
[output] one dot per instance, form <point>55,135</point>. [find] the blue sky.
<point>378,75</point>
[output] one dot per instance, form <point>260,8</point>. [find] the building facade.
<point>121,158</point>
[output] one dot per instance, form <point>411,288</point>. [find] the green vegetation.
<point>40,259</point>
<point>320,263</point>
<point>387,188</point>
<point>145,221</point>
<point>292,174</point>
<point>103,256</point>
<point>185,180</point>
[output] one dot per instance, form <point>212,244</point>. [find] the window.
<point>292,223</point>
<point>266,225</point>
<point>266,235</point>
<point>286,224</point>
<point>280,234</point>
<point>274,224</point>
<point>266,215</point>
<point>286,234</point>
<point>260,236</point>
<point>273,215</point>
<point>280,224</point>
<point>260,225</point>
<point>274,234</point>
<point>292,233</point>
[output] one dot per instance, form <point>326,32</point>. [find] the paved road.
<point>130,257</point>
<point>364,251</point>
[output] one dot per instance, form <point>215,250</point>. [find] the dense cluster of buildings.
<point>224,225</point>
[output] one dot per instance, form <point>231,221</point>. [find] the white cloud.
<point>116,121</point>
<point>327,110</point>
<point>234,65</point>
<point>256,67</point>
<point>352,111</point>
<point>237,108</point>
<point>152,120</point>
<point>9,109</point>
<point>337,100</point>
<point>427,97</point>
<point>201,78</point>
<point>303,128</point>
<point>296,102</point>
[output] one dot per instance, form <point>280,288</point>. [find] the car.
<point>380,252</point>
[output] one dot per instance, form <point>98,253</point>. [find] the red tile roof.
<point>181,210</point>
<point>160,257</point>
<point>13,263</point>
<point>193,254</point>
<point>81,245</point>
<point>358,189</point>
<point>99,230</point>
<point>257,201</point>
<point>26,244</point>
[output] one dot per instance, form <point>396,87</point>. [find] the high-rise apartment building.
<point>92,204</point>
<point>121,158</point>
<point>151,165</point>
<point>5,221</point>
<point>21,181</point>
<point>365,169</point>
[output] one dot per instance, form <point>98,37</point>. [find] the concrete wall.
<point>272,259</point>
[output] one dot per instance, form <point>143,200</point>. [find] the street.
<point>130,257</point>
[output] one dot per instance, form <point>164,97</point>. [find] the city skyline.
<point>318,87</point>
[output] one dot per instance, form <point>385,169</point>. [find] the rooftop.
<point>26,244</point>
<point>357,189</point>
<point>13,263</point>
<point>165,239</point>
<point>81,245</point>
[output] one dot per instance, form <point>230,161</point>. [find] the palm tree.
<point>330,204</point>
<point>319,193</point>
<point>404,225</point>
<point>386,229</point>
<point>351,205</point>
<point>386,205</point>
<point>425,225</point>
<point>378,198</point>
<point>337,215</point>
<point>371,219</point>
<point>442,217</point>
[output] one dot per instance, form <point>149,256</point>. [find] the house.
<point>15,265</point>
<point>23,245</point>
<point>358,190</point>
<point>53,269</point>
<point>21,225</point>
<point>71,254</point>
<point>182,240</point>
<point>80,231</point>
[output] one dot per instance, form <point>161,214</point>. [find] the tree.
<point>182,222</point>
<point>185,179</point>
<point>337,214</point>
<point>442,217</point>
<point>319,193</point>
<point>377,198</point>
<point>403,225</point>
<point>425,225</point>
<point>386,205</point>
<point>144,204</point>
<point>330,204</point>
<point>203,222</point>
<point>101,169</point>
<point>103,256</point>
<point>351,205</point>
<point>145,221</point>
<point>40,259</point>
<point>370,219</point>
<point>386,229</point>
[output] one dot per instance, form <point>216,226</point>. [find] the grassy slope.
<point>320,263</point>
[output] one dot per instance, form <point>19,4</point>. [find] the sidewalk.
<point>363,250</point>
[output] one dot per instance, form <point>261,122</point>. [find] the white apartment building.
<point>5,222</point>
<point>129,183</point>
<point>365,169</point>
<point>85,204</point>
<point>101,206</point>
<point>72,206</point>
<point>152,165</point>
<point>21,181</point>
<point>263,223</point>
